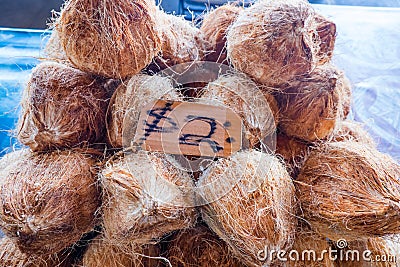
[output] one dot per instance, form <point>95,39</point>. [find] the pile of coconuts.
<point>79,195</point>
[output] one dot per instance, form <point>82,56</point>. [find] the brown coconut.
<point>214,29</point>
<point>248,201</point>
<point>258,110</point>
<point>101,252</point>
<point>326,30</point>
<point>349,190</point>
<point>62,107</point>
<point>349,130</point>
<point>112,38</point>
<point>272,41</point>
<point>145,197</point>
<point>53,50</point>
<point>353,254</point>
<point>311,106</point>
<point>293,151</point>
<point>48,201</point>
<point>127,103</point>
<point>181,41</point>
<point>199,247</point>
<point>11,256</point>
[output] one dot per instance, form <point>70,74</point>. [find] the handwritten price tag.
<point>189,128</point>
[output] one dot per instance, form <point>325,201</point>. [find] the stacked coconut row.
<point>76,198</point>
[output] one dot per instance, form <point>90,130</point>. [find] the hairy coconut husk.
<point>258,110</point>
<point>11,256</point>
<point>145,197</point>
<point>352,255</point>
<point>62,107</point>
<point>112,38</point>
<point>214,29</point>
<point>199,247</point>
<point>181,41</point>
<point>312,105</point>
<point>54,51</point>
<point>249,202</point>
<point>349,190</point>
<point>293,151</point>
<point>349,130</point>
<point>326,30</point>
<point>48,201</point>
<point>272,41</point>
<point>101,252</point>
<point>129,99</point>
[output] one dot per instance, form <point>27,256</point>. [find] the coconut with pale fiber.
<point>258,110</point>
<point>102,252</point>
<point>349,190</point>
<point>48,201</point>
<point>249,201</point>
<point>111,38</point>
<point>214,29</point>
<point>145,197</point>
<point>199,247</point>
<point>129,99</point>
<point>181,41</point>
<point>62,107</point>
<point>272,41</point>
<point>311,106</point>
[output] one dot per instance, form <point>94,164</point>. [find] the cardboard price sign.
<point>187,128</point>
